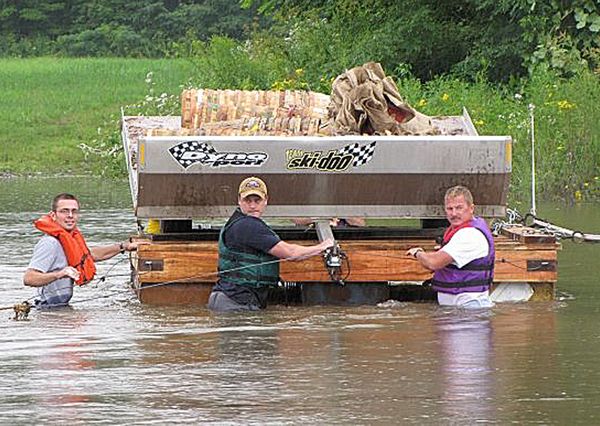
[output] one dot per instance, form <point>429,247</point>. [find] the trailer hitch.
<point>333,257</point>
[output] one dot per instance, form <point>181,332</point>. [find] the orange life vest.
<point>76,250</point>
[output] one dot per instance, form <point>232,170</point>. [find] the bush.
<point>106,40</point>
<point>12,46</point>
<point>566,114</point>
<point>107,149</point>
<point>225,63</point>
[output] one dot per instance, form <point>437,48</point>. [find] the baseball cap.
<point>253,186</point>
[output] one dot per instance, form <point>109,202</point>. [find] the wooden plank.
<point>181,262</point>
<point>370,261</point>
<point>511,266</point>
<point>176,294</point>
<point>528,235</point>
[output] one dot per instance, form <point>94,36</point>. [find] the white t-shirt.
<point>465,246</point>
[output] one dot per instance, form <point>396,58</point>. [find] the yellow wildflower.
<point>479,122</point>
<point>422,103</point>
<point>564,104</point>
<point>578,195</point>
<point>445,97</point>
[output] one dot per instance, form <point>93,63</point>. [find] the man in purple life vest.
<point>464,265</point>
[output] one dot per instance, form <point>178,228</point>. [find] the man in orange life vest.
<point>62,257</point>
<point>464,265</point>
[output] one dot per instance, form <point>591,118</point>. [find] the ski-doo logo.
<point>192,152</point>
<point>336,160</point>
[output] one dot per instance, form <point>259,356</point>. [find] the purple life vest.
<point>475,276</point>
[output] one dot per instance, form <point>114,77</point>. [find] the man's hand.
<point>70,272</point>
<point>412,252</point>
<point>133,245</point>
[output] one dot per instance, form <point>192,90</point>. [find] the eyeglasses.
<point>66,212</point>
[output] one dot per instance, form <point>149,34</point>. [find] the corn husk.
<point>253,126</point>
<point>201,106</point>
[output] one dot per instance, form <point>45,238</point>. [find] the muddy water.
<point>108,359</point>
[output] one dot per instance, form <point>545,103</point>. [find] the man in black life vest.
<point>464,265</point>
<point>249,253</point>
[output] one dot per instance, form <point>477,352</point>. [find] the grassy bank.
<point>50,106</point>
<point>566,116</point>
<point>53,106</point>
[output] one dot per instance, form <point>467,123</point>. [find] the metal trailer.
<point>181,179</point>
<point>186,177</point>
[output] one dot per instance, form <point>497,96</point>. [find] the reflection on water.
<point>465,340</point>
<point>109,359</point>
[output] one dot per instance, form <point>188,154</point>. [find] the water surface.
<point>108,359</point>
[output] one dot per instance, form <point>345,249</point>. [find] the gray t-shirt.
<point>49,256</point>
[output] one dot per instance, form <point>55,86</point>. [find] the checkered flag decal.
<point>179,150</point>
<point>362,154</point>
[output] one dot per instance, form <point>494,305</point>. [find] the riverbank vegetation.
<point>53,108</point>
<point>502,60</point>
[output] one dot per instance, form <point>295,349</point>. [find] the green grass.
<point>52,105</point>
<point>567,128</point>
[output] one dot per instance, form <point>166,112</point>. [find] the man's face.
<point>253,205</point>
<point>66,214</point>
<point>458,211</point>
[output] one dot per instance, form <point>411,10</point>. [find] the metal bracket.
<point>324,231</point>
<point>333,256</point>
<point>150,265</point>
<point>541,265</point>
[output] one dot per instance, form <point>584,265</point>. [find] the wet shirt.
<point>49,256</point>
<point>248,233</point>
<point>467,245</point>
<point>251,233</point>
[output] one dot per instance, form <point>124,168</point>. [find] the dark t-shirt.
<point>248,234</point>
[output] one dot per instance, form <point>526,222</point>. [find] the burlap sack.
<point>365,101</point>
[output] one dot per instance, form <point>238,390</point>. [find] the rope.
<point>203,275</point>
<point>19,307</point>
<point>210,274</point>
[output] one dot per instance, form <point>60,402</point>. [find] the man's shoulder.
<point>48,242</point>
<point>465,239</point>
<point>47,255</point>
<point>249,222</point>
<point>466,245</point>
<point>469,232</point>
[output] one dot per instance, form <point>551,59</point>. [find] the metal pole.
<point>531,107</point>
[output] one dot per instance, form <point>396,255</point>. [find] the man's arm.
<point>40,271</point>
<point>35,278</point>
<point>106,252</point>
<point>466,245</point>
<point>433,261</point>
<point>291,251</point>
